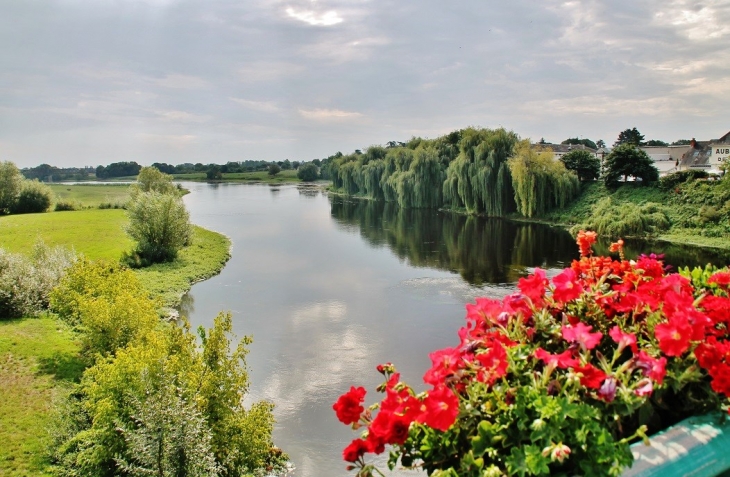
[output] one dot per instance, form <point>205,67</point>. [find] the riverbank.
<point>39,359</point>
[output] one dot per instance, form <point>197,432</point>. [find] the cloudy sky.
<point>89,82</point>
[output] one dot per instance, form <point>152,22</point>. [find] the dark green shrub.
<point>308,172</point>
<point>33,197</point>
<point>673,180</point>
<point>63,205</point>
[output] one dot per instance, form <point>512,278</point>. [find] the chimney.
<point>693,143</point>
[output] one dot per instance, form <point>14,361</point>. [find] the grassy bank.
<point>258,176</point>
<point>38,362</point>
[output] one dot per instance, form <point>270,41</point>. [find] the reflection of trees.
<point>481,250</point>
<point>308,190</point>
<point>187,305</point>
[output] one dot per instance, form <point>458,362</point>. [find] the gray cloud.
<point>91,82</point>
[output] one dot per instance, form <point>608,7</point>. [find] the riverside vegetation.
<point>89,355</point>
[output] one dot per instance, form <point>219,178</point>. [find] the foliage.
<point>64,206</point>
<point>107,304</point>
<point>614,219</point>
<point>10,184</point>
<point>626,161</point>
<point>629,136</point>
<point>308,172</point>
<point>586,165</point>
<point>670,181</point>
<point>160,225</point>
<point>26,282</point>
<point>33,197</point>
<point>165,369</point>
<point>558,378</point>
<point>118,169</point>
<point>214,173</point>
<point>656,142</point>
<point>682,142</point>
<point>274,169</point>
<point>586,142</point>
<point>540,182</point>
<point>151,179</point>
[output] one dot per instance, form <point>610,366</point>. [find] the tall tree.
<point>585,164</point>
<point>626,160</point>
<point>584,142</point>
<point>10,182</point>
<point>629,136</point>
<point>601,143</point>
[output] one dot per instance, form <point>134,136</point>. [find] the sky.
<point>91,82</point>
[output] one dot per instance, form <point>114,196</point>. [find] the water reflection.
<point>481,250</point>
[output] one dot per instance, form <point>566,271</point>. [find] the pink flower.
<point>623,339</point>
<point>607,391</point>
<point>580,333</point>
<point>651,367</point>
<point>563,360</point>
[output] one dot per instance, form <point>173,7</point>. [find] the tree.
<point>584,142</point>
<point>10,183</point>
<point>295,164</point>
<point>601,143</point>
<point>629,136</point>
<point>214,173</point>
<point>308,172</point>
<point>160,225</point>
<point>682,142</point>
<point>151,179</point>
<point>656,142</point>
<point>286,165</point>
<point>274,169</point>
<point>586,165</point>
<point>625,161</point>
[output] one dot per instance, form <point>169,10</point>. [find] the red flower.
<point>721,278</point>
<point>348,408</point>
<point>446,362</point>
<point>581,334</point>
<point>567,287</point>
<point>585,240</point>
<point>534,286</point>
<point>673,336</point>
<point>623,339</point>
<point>563,360</point>
<point>355,450</point>
<point>592,377</point>
<point>441,408</point>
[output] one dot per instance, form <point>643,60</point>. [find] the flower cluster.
<point>559,376</point>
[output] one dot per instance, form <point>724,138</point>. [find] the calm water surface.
<point>330,287</point>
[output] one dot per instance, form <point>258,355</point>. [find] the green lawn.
<point>38,361</point>
<point>93,232</point>
<point>92,195</point>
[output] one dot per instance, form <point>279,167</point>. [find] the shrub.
<point>107,304</point>
<point>614,220</point>
<point>274,169</point>
<point>33,197</point>
<point>64,205</point>
<point>151,179</point>
<point>10,183</point>
<point>671,181</point>
<point>308,172</point>
<point>160,225</point>
<point>26,282</point>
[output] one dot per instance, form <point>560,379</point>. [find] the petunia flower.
<point>580,333</point>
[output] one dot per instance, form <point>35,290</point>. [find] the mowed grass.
<point>91,195</point>
<point>96,233</point>
<point>39,360</point>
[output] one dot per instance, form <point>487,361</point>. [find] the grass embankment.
<point>38,362</point>
<point>258,176</point>
<point>39,356</point>
<point>695,213</point>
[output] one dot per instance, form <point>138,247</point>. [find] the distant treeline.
<point>480,171</point>
<point>48,173</point>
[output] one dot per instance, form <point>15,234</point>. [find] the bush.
<point>33,197</point>
<point>160,225</point>
<point>107,304</point>
<point>308,172</point>
<point>274,169</point>
<point>614,220</point>
<point>151,179</point>
<point>64,205</point>
<point>671,181</point>
<point>26,282</point>
<point>10,184</point>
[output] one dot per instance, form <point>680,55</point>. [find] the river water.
<point>330,287</point>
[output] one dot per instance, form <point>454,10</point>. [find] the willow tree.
<point>478,180</point>
<point>540,182</point>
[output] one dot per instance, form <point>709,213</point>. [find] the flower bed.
<point>560,377</point>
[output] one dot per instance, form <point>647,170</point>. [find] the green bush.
<point>33,197</point>
<point>151,179</point>
<point>308,172</point>
<point>10,184</point>
<point>160,225</point>
<point>26,282</point>
<point>66,205</point>
<point>671,181</point>
<point>617,220</point>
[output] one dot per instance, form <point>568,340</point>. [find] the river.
<point>329,287</point>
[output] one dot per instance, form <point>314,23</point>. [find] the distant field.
<point>91,195</point>
<point>95,233</point>
<point>259,176</point>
